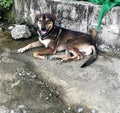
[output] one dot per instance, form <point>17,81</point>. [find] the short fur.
<point>54,38</point>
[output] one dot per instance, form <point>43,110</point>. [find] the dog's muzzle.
<point>40,34</point>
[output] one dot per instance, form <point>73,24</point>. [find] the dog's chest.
<point>45,42</point>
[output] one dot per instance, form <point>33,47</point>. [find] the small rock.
<point>34,76</point>
<point>50,94</point>
<point>10,27</point>
<point>40,95</point>
<point>47,98</point>
<point>46,85</point>
<point>80,110</point>
<point>69,108</point>
<point>1,29</point>
<point>20,31</point>
<point>21,107</point>
<point>26,73</point>
<point>4,109</point>
<point>57,93</point>
<point>93,111</point>
<point>12,111</point>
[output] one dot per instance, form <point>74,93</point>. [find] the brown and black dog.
<point>54,38</point>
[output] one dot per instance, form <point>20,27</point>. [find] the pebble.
<point>27,74</point>
<point>80,110</point>
<point>57,93</point>
<point>50,94</point>
<point>40,95</point>
<point>1,29</point>
<point>3,109</point>
<point>10,27</point>
<point>47,98</point>
<point>21,107</point>
<point>46,84</point>
<point>12,111</point>
<point>34,76</point>
<point>69,108</point>
<point>93,111</point>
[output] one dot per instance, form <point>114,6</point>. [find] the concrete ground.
<point>96,87</point>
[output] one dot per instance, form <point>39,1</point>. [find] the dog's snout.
<point>43,28</point>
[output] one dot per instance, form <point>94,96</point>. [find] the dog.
<point>75,44</point>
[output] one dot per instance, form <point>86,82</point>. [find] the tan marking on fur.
<point>84,48</point>
<point>93,33</point>
<point>66,57</point>
<point>49,25</point>
<point>69,58</point>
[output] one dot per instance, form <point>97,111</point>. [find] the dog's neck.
<point>53,34</point>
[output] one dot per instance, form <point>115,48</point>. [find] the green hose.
<point>106,6</point>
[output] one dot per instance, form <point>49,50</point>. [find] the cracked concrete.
<point>96,87</point>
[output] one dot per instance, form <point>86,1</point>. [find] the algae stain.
<point>6,41</point>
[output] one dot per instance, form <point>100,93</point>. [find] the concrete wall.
<point>78,16</point>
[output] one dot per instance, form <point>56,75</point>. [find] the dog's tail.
<point>93,33</point>
<point>92,58</point>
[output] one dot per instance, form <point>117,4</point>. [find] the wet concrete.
<point>21,89</point>
<point>94,89</point>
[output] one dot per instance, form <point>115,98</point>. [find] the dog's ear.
<point>37,16</point>
<point>53,17</point>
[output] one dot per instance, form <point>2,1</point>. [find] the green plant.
<point>5,4</point>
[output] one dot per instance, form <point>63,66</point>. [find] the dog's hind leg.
<point>60,57</point>
<point>40,54</point>
<point>76,55</point>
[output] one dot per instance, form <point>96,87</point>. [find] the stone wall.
<point>78,16</point>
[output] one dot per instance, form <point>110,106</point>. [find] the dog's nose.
<point>43,28</point>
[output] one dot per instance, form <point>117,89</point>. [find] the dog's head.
<point>45,23</point>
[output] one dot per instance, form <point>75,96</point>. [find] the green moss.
<point>5,4</point>
<point>6,9</point>
<point>8,16</point>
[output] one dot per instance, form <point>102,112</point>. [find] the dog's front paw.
<point>52,58</point>
<point>64,60</point>
<point>21,50</point>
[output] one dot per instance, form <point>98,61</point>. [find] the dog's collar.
<point>56,35</point>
